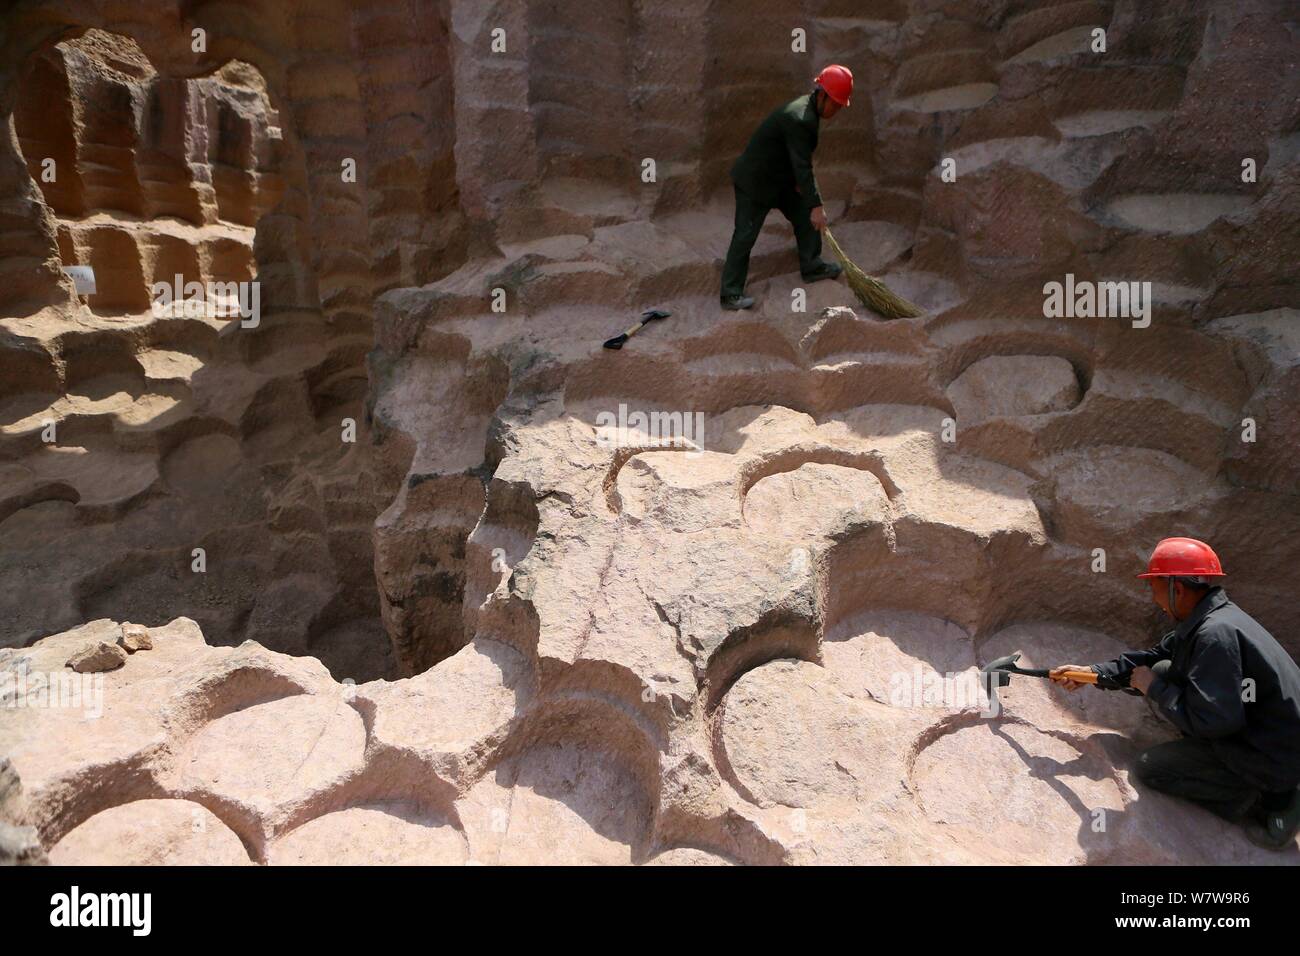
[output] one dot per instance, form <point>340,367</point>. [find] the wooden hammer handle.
<point>1079,677</point>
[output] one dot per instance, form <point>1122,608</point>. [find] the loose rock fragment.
<point>97,656</point>
<point>135,637</point>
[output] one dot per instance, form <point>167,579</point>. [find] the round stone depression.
<point>1014,385</point>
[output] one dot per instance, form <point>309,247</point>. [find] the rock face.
<point>20,845</point>
<point>874,746</point>
<point>153,833</point>
<point>718,597</point>
<point>1012,386</point>
<point>169,436</point>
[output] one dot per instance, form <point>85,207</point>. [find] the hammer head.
<point>996,671</point>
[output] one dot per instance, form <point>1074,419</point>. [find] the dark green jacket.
<point>779,155</point>
<point>1213,651</point>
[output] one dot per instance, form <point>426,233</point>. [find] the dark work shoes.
<point>827,270</point>
<point>1277,828</point>
<point>737,302</point>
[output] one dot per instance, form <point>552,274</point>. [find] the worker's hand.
<point>1141,678</point>
<point>819,218</point>
<point>1057,675</point>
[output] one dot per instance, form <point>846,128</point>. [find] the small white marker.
<point>83,278</point>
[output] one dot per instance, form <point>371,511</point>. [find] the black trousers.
<point>1189,768</point>
<point>750,213</point>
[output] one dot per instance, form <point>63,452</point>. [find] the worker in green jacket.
<point>775,172</point>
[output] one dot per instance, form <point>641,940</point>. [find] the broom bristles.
<point>871,292</point>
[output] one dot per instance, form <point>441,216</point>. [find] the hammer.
<point>1004,667</point>
<point>649,315</point>
<point>998,673</point>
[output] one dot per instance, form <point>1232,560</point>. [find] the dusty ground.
<point>495,628</point>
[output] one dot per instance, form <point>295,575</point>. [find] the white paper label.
<point>83,279</point>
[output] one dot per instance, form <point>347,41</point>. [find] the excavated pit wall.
<point>629,653</point>
<point>221,164</point>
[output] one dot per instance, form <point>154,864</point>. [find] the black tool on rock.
<point>648,316</point>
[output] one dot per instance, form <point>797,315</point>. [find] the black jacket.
<point>1216,655</point>
<point>779,155</point>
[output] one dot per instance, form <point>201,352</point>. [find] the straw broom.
<point>870,291</point>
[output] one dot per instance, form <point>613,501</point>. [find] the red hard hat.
<point>1183,557</point>
<point>837,81</point>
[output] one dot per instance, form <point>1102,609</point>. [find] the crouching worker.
<point>1231,690</point>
